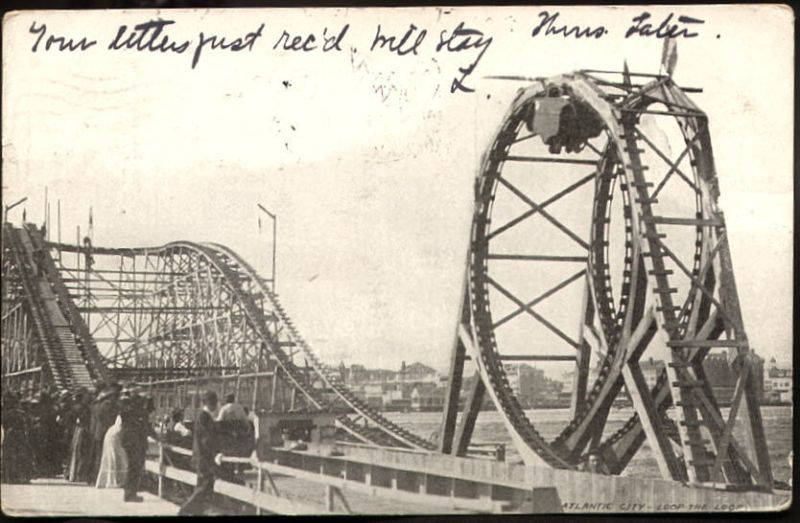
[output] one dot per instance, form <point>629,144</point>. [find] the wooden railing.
<point>262,501</point>
<point>340,475</point>
<point>430,482</point>
<point>492,450</point>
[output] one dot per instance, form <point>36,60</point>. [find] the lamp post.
<point>261,347</point>
<point>274,240</point>
<point>9,207</point>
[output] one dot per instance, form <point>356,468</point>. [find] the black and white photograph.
<point>397,261</point>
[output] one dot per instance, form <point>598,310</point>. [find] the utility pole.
<point>274,241</point>
<point>59,228</point>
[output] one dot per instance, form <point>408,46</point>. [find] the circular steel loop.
<point>613,176</point>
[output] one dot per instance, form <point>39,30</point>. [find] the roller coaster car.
<point>562,121</point>
<point>275,429</point>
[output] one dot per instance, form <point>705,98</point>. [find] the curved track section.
<point>276,331</point>
<point>620,168</point>
<point>329,377</point>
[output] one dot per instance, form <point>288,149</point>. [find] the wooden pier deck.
<point>56,497</point>
<point>364,480</point>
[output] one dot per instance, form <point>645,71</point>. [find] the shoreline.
<point>552,407</point>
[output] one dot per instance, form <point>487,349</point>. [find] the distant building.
<point>360,374</point>
<point>466,385</point>
<point>425,398</point>
<point>390,389</point>
<point>531,386</point>
<point>418,372</point>
<point>373,395</point>
<point>719,372</point>
<point>513,375</point>
<point>567,383</point>
<point>722,375</point>
<point>778,383</point>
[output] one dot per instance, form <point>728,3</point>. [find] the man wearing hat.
<point>62,433</point>
<point>46,432</point>
<point>17,462</point>
<point>135,429</point>
<point>205,454</point>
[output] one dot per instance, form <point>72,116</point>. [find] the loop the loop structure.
<point>596,240</point>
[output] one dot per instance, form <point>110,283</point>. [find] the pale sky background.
<point>367,158</point>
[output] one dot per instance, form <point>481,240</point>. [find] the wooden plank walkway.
<point>56,497</point>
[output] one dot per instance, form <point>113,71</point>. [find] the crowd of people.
<point>101,438</point>
<point>98,438</point>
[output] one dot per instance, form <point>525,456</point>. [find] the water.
<point>549,422</point>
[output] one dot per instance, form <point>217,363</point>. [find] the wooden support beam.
<point>450,412</point>
<point>563,228</point>
<point>727,433</point>
<point>467,423</point>
<point>537,257</point>
<point>583,353</point>
<point>732,467</point>
<point>693,222</point>
<point>537,357</point>
<point>715,422</point>
<point>752,414</point>
<point>650,419</point>
<point>641,336</point>
<point>545,203</point>
<point>23,372</point>
<point>679,371</point>
<point>706,343</point>
<point>729,297</point>
<point>546,159</point>
<point>505,292</point>
<point>546,294</point>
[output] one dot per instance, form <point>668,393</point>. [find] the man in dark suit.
<point>135,429</point>
<point>205,455</point>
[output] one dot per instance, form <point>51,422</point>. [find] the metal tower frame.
<point>688,303</point>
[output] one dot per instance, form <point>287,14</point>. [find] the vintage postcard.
<point>397,261</point>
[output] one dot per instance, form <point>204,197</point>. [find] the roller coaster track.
<point>83,337</point>
<point>690,325</point>
<point>227,258</point>
<point>599,398</point>
<point>249,289</point>
<point>71,361</point>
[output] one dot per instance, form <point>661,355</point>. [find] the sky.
<point>365,156</point>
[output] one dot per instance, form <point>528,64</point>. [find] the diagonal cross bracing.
<point>537,208</point>
<point>563,228</point>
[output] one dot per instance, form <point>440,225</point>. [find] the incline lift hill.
<point>654,274</point>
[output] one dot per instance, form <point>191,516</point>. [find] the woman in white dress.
<point>114,461</point>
